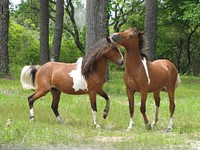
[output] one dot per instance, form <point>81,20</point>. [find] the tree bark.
<point>44,31</point>
<point>151,26</point>
<point>96,22</point>
<point>189,37</point>
<point>4,25</point>
<point>58,29</point>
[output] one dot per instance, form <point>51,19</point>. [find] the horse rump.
<point>27,78</point>
<point>177,84</point>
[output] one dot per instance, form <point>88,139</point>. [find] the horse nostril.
<point>120,63</point>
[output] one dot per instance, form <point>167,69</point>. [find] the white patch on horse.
<point>78,79</point>
<point>144,62</point>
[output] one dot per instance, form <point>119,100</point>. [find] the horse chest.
<point>130,82</point>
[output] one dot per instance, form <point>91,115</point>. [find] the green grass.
<point>78,130</point>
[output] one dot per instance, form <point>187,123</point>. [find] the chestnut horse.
<point>87,76</point>
<point>143,76</point>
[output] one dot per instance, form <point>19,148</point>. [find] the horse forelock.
<point>92,56</point>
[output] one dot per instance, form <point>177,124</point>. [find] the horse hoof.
<point>104,116</point>
<point>153,125</point>
<point>97,126</point>
<point>148,127</point>
<point>129,129</point>
<point>31,120</point>
<point>168,130</point>
<point>60,120</point>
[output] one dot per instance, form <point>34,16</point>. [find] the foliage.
<point>125,12</point>
<point>23,47</point>
<point>78,131</point>
<point>177,36</point>
<point>178,27</point>
<point>69,51</point>
<point>27,10</point>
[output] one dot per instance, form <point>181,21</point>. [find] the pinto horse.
<point>143,76</point>
<point>86,76</point>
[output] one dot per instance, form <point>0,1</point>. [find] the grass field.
<point>78,131</point>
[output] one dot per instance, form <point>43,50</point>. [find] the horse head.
<point>127,38</point>
<point>113,53</point>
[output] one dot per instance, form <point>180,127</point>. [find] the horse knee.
<point>172,108</point>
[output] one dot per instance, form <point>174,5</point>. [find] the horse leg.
<point>107,107</point>
<point>92,96</point>
<point>157,103</point>
<point>31,99</point>
<point>130,96</point>
<point>56,98</point>
<point>172,108</point>
<point>143,109</point>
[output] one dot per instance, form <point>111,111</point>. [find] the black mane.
<point>143,43</point>
<point>93,54</point>
<point>143,46</point>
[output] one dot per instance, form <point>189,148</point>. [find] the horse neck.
<point>100,69</point>
<point>133,57</point>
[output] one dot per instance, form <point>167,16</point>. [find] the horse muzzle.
<point>115,37</point>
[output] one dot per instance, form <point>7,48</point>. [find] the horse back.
<point>55,74</point>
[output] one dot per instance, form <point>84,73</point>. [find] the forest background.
<point>177,36</point>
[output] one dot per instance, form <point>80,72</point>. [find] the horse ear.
<point>108,39</point>
<point>140,33</point>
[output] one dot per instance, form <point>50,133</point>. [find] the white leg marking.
<point>169,128</point>
<point>156,116</point>
<point>95,119</point>
<point>130,124</point>
<point>31,112</point>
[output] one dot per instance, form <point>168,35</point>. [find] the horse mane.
<point>143,43</point>
<point>93,54</point>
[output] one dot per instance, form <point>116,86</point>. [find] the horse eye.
<point>131,36</point>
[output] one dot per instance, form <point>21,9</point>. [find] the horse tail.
<point>178,81</point>
<point>27,78</point>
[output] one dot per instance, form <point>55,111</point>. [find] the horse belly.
<point>65,84</point>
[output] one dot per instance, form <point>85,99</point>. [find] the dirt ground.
<point>104,145</point>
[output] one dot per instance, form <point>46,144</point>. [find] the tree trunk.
<point>96,22</point>
<point>151,26</point>
<point>58,30</point>
<point>44,31</point>
<point>4,25</point>
<point>189,37</point>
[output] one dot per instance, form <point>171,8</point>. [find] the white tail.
<point>178,81</point>
<point>28,77</point>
